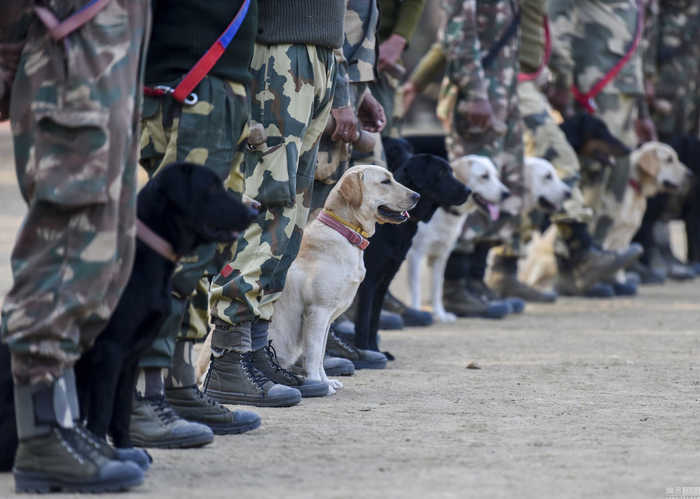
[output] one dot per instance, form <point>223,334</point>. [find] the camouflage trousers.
<point>74,117</point>
<point>544,139</point>
<point>384,89</point>
<point>505,150</point>
<point>211,133</point>
<point>292,94</point>
<point>604,187</point>
<point>334,157</point>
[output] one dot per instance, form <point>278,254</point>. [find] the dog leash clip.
<point>190,100</point>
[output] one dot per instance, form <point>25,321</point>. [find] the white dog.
<point>436,239</point>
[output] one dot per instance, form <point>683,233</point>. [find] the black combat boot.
<point>265,359</point>
<point>54,454</point>
<point>586,268</point>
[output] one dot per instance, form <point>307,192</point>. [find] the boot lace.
<point>254,374</point>
<point>163,410</point>
<point>341,342</point>
<point>205,398</point>
<point>272,356</point>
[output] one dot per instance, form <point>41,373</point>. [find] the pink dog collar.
<point>354,237</point>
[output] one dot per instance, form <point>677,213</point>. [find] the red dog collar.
<point>342,228</point>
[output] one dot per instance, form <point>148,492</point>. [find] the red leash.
<point>183,92</point>
<point>547,54</point>
<point>586,99</point>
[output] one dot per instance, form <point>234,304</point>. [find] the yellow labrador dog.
<point>323,279</point>
<point>655,168</point>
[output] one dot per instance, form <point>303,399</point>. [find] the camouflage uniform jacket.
<point>589,39</point>
<point>471,29</point>
<point>357,56</point>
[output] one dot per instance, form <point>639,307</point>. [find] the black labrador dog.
<point>188,206</point>
<point>589,136</point>
<point>432,178</point>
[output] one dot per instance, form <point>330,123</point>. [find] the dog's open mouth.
<point>670,186</point>
<point>390,215</point>
<point>491,209</point>
<point>546,204</point>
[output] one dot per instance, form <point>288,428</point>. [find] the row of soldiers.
<point>71,82</point>
<point>292,68</point>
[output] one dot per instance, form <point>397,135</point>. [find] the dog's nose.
<point>415,197</point>
<point>567,194</point>
<point>505,195</point>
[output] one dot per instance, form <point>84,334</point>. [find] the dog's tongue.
<point>404,214</point>
<point>494,211</point>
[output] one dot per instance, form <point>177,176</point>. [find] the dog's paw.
<point>446,317</point>
<point>331,390</point>
<point>334,384</point>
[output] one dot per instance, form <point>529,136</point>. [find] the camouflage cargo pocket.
<point>71,160</point>
<point>267,177</point>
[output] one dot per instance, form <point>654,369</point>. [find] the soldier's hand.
<point>390,51</point>
<point>345,124</point>
<point>479,114</point>
<point>645,129</point>
<point>371,114</point>
<point>408,94</point>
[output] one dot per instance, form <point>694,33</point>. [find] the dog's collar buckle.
<point>354,237</point>
<point>155,242</point>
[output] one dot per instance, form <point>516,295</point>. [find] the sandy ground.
<point>580,399</point>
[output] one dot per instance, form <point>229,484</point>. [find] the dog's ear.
<point>351,188</point>
<point>649,163</point>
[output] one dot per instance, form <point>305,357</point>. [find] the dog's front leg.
<point>414,262</point>
<point>438,281</point>
<point>315,325</point>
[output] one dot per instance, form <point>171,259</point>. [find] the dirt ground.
<point>579,399</point>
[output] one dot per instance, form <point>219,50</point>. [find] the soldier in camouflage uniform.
<point>294,71</point>
<point>74,117</point>
<point>581,265</point>
<point>485,98</point>
<point>590,38</point>
<point>211,132</point>
<point>356,62</point>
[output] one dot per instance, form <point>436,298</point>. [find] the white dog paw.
<point>446,317</point>
<point>335,384</point>
<point>331,390</point>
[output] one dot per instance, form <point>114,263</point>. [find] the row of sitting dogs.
<point>186,206</point>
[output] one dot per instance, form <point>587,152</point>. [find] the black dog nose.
<point>415,197</point>
<point>567,194</point>
<point>505,195</point>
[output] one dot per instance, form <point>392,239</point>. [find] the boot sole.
<point>231,429</point>
<point>173,443</point>
<point>367,364</point>
<point>40,483</point>
<point>310,392</point>
<point>239,398</point>
<point>340,372</point>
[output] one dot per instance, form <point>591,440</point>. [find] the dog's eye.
<point>548,176</point>
<point>485,176</point>
<point>386,181</point>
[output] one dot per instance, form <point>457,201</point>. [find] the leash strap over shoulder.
<point>510,32</point>
<point>354,237</point>
<point>210,57</point>
<point>61,29</point>
<point>547,54</point>
<point>586,99</point>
